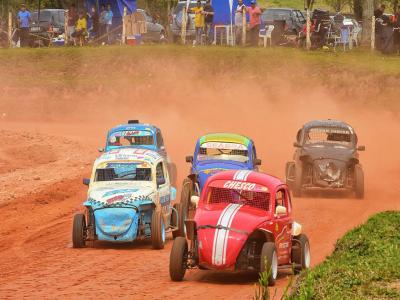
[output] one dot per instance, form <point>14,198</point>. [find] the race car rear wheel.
<point>157,230</point>
<point>301,254</point>
<point>359,181</point>
<point>79,231</point>
<point>186,194</point>
<point>269,262</point>
<point>179,221</point>
<point>178,259</point>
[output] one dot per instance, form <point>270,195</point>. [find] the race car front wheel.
<point>301,255</point>
<point>79,231</point>
<point>269,262</point>
<point>178,259</point>
<point>157,230</point>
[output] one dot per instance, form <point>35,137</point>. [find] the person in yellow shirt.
<point>80,28</point>
<point>198,21</point>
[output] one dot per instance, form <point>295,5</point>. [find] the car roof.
<point>138,126</point>
<point>50,9</point>
<point>269,181</point>
<point>328,123</point>
<point>225,137</point>
<point>280,8</point>
<point>133,154</point>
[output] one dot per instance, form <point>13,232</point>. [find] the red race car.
<point>243,222</point>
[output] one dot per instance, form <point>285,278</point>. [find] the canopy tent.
<point>117,7</point>
<point>222,10</point>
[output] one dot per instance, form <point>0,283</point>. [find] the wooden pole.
<point>308,31</point>
<point>10,29</point>
<point>123,37</point>
<point>244,25</point>
<point>183,25</point>
<point>66,31</point>
<point>373,33</point>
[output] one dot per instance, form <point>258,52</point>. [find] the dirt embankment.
<point>50,134</point>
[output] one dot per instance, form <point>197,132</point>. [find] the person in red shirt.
<point>255,21</point>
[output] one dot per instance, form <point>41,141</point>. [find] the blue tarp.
<point>222,11</point>
<point>117,7</point>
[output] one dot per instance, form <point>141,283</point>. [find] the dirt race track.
<point>49,139</point>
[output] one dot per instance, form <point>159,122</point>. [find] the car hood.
<point>207,168</point>
<point>223,229</point>
<point>121,194</point>
<point>323,151</point>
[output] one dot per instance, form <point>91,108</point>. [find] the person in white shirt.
<point>240,9</point>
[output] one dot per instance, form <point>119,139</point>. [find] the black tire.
<point>178,259</point>
<point>79,231</point>
<point>301,255</point>
<point>359,181</point>
<point>298,180</point>
<point>157,230</point>
<point>269,261</point>
<point>186,194</point>
<point>180,221</point>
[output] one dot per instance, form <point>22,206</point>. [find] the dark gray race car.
<point>326,157</point>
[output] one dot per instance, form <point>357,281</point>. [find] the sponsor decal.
<point>241,175</point>
<point>213,171</point>
<point>115,199</point>
<point>239,185</point>
<point>121,191</point>
<point>221,145</point>
<point>283,245</point>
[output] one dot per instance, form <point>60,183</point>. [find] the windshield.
<point>247,195</point>
<point>334,135</point>
<point>123,171</point>
<point>130,138</point>
<point>275,14</point>
<point>45,16</point>
<point>223,151</point>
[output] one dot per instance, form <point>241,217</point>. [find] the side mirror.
<point>257,162</point>
<point>195,200</point>
<point>361,148</point>
<point>189,159</point>
<point>160,181</point>
<point>100,150</point>
<point>297,145</point>
<point>280,210</point>
<point>86,181</point>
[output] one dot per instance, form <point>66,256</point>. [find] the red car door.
<point>283,227</point>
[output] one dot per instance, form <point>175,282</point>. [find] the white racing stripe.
<point>221,235</point>
<point>241,175</point>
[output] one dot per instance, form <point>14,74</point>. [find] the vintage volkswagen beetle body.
<point>326,157</point>
<point>140,136</point>
<point>129,198</point>
<point>243,221</point>
<point>214,153</point>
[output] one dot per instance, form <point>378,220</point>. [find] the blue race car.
<point>214,153</point>
<point>129,198</point>
<point>140,136</point>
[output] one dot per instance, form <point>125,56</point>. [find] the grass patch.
<point>364,265</point>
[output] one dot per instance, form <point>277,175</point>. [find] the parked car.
<point>155,31</point>
<point>129,198</point>
<point>243,221</point>
<point>176,21</point>
<point>213,153</point>
<point>138,135</point>
<point>326,157</point>
<point>291,20</point>
<point>51,24</point>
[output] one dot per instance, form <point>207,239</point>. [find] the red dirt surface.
<point>48,146</point>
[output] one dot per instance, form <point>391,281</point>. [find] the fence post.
<point>183,26</point>
<point>308,37</point>
<point>123,37</point>
<point>66,31</point>
<point>10,29</point>
<point>244,25</point>
<point>373,33</point>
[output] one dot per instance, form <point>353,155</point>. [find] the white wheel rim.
<point>307,255</point>
<point>274,266</point>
